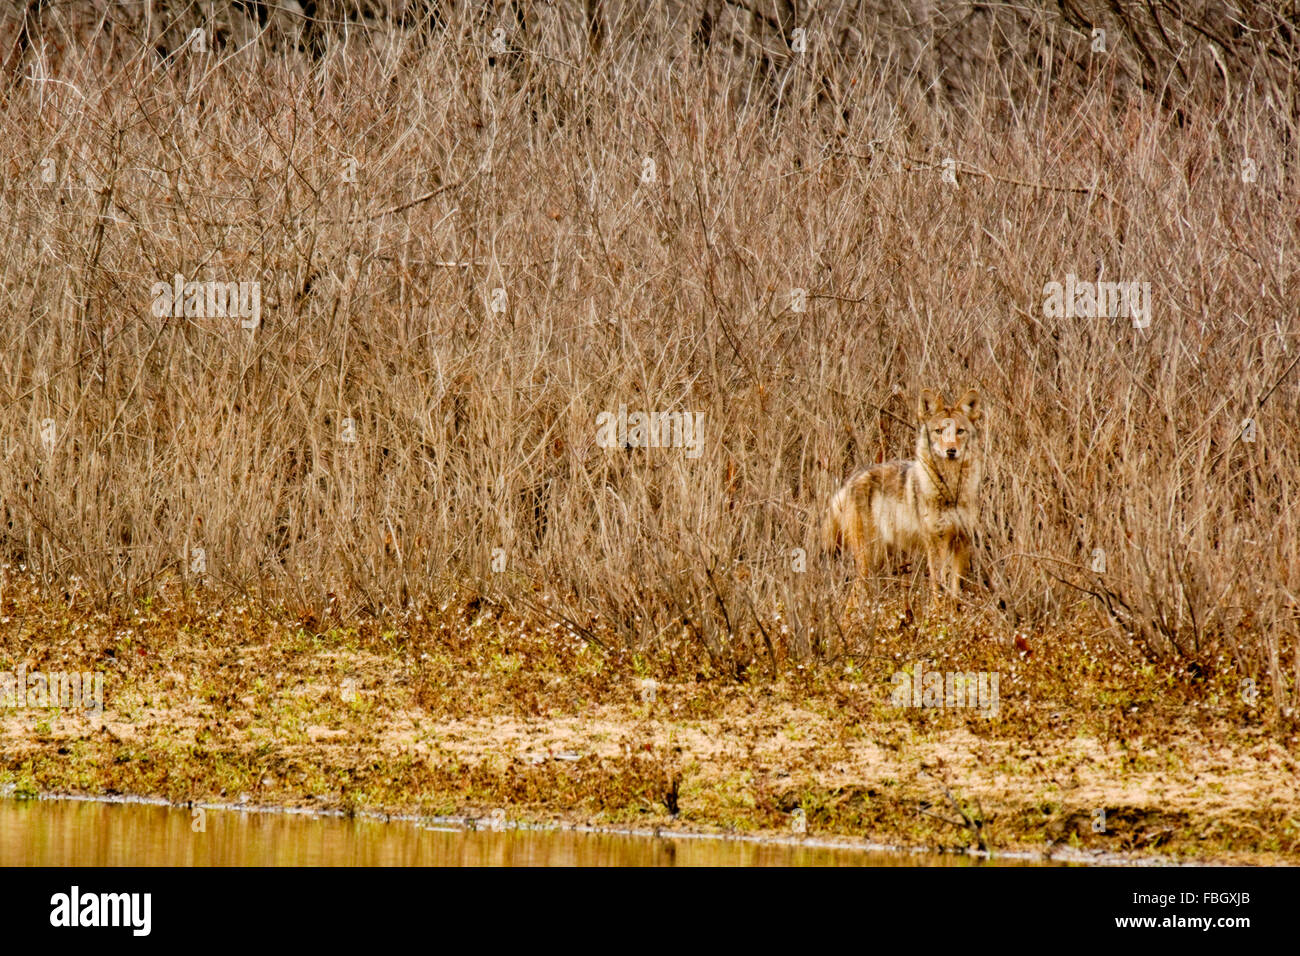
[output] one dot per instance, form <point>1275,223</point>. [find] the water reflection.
<point>62,833</point>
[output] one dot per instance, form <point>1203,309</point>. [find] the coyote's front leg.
<point>959,561</point>
<point>935,563</point>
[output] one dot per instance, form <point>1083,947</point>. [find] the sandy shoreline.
<point>447,719</point>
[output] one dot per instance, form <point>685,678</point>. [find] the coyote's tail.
<point>832,525</point>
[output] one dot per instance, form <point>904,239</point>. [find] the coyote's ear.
<point>931,404</point>
<point>970,405</point>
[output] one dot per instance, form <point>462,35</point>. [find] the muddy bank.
<point>454,715</point>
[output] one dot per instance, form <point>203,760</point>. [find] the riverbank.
<point>470,709</point>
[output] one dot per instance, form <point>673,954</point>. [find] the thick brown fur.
<point>929,503</point>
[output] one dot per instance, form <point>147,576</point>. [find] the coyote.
<point>930,502</point>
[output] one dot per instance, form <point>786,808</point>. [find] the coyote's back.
<point>928,503</point>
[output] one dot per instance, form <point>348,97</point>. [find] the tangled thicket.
<point>475,228</point>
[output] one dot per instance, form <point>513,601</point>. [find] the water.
<point>82,833</point>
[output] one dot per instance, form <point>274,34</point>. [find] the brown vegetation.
<point>467,252</point>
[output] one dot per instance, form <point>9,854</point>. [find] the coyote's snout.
<point>930,502</point>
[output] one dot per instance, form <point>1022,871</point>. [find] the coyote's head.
<point>947,433</point>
